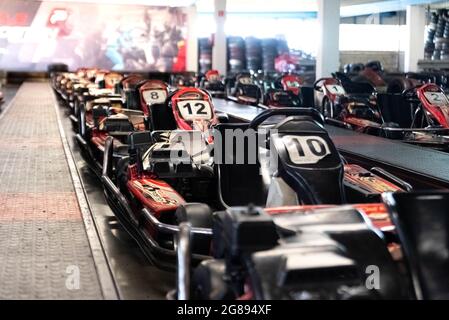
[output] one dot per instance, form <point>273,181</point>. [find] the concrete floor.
<point>45,226</point>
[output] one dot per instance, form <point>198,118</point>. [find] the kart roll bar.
<point>152,248</point>
<point>383,173</point>
<point>170,228</point>
<point>260,118</point>
<point>183,261</point>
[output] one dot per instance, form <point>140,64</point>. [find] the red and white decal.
<point>305,150</point>
<point>437,98</point>
<point>335,89</point>
<point>191,110</point>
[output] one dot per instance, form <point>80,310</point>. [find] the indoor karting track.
<point>49,227</point>
<point>56,217</point>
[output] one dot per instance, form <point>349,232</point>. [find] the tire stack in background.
<point>247,54</point>
<point>253,48</point>
<point>204,55</point>
<point>437,41</point>
<point>282,47</point>
<point>429,46</point>
<point>269,54</point>
<point>236,54</point>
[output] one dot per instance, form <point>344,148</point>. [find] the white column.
<point>328,57</point>
<point>192,40</point>
<point>416,25</point>
<point>219,61</point>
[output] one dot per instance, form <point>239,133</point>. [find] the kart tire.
<point>391,135</point>
<point>199,215</point>
<point>122,173</point>
<point>82,121</point>
<point>326,108</point>
<point>76,126</point>
<point>209,282</point>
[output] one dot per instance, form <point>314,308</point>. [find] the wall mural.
<point>120,37</point>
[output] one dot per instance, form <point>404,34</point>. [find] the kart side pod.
<point>320,255</point>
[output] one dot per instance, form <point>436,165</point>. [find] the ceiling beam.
<point>381,6</point>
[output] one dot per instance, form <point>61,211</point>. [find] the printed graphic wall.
<point>121,37</point>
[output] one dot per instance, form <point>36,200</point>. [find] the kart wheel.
<point>199,216</point>
<point>122,173</point>
<point>82,121</point>
<point>327,108</point>
<point>390,134</point>
<point>76,115</point>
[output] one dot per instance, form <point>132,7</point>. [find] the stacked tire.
<point>282,47</point>
<point>429,47</point>
<point>437,43</point>
<point>269,54</point>
<point>205,55</point>
<point>236,54</point>
<point>253,54</point>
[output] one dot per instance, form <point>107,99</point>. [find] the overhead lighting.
<point>164,3</point>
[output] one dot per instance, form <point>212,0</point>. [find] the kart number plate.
<point>154,96</point>
<point>195,110</point>
<point>306,150</point>
<point>245,81</point>
<point>293,84</point>
<point>437,98</point>
<point>336,89</point>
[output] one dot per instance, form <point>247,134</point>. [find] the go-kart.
<point>101,118</point>
<point>104,117</point>
<point>106,85</point>
<point>151,191</point>
<point>371,73</point>
<point>421,222</point>
<point>291,82</point>
<point>419,115</point>
<point>315,253</point>
<point>83,77</point>
<point>341,99</point>
<point>213,83</point>
<point>183,80</point>
<point>152,92</point>
<point>243,89</point>
<point>166,168</point>
<point>289,253</point>
<point>282,92</point>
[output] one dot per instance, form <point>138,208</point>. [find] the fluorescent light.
<point>164,3</point>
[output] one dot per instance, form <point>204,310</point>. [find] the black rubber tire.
<point>199,215</point>
<point>82,120</point>
<point>121,173</point>
<point>326,108</point>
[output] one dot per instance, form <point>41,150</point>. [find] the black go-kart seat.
<point>161,117</point>
<point>283,98</point>
<point>239,184</point>
<point>422,223</point>
<point>308,161</point>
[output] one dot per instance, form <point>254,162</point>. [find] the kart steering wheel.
<point>261,117</point>
<point>315,84</point>
<point>410,92</point>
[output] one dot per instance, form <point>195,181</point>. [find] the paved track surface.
<point>43,241</point>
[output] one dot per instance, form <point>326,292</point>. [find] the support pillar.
<point>192,40</point>
<point>328,57</point>
<point>416,25</point>
<point>219,56</point>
